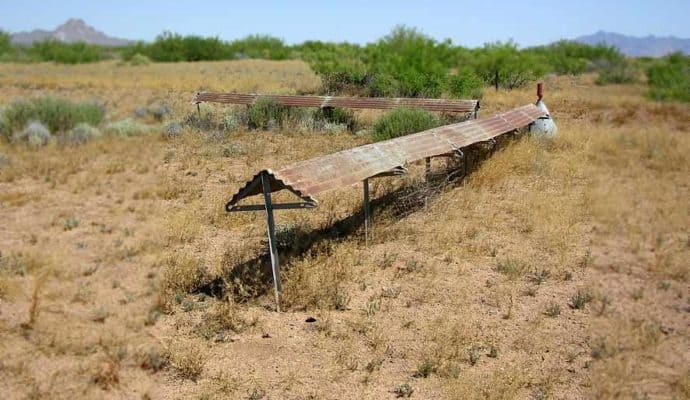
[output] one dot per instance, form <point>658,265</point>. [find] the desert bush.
<point>59,115</point>
<point>187,356</point>
<point>616,72</point>
<point>4,160</point>
<point>465,85</point>
<point>81,134</point>
<point>330,119</point>
<point>183,275</point>
<point>159,111</point>
<point>35,133</point>
<point>234,120</point>
<point>416,64</point>
<point>127,127</point>
<point>403,121</point>
<point>669,78</point>
<point>569,57</point>
<point>266,113</point>
<point>66,53</point>
<point>223,316</point>
<point>172,129</point>
<point>139,59</point>
<point>259,46</point>
<point>170,47</point>
<point>503,65</point>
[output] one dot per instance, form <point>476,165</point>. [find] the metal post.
<point>198,110</point>
<point>367,212</point>
<point>273,247</point>
<point>427,170</point>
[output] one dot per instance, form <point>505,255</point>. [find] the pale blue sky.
<point>470,23</point>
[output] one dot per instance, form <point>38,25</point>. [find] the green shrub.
<point>81,134</point>
<point>259,46</point>
<point>335,117</point>
<point>127,127</point>
<point>66,53</point>
<point>5,43</point>
<point>504,65</point>
<point>59,115</point>
<point>403,121</point>
<point>569,57</point>
<point>266,114</point>
<point>140,59</point>
<point>669,78</point>
<point>465,85</point>
<point>35,133</point>
<point>617,72</point>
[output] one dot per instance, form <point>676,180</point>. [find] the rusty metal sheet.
<point>310,177</point>
<point>439,105</point>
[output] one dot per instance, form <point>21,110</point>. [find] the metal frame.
<point>270,181</point>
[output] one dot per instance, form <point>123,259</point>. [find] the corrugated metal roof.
<point>317,175</point>
<point>439,105</point>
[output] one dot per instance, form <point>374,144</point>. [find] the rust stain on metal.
<point>317,175</point>
<point>439,105</point>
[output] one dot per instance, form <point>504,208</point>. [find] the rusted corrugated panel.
<point>310,177</point>
<point>440,105</point>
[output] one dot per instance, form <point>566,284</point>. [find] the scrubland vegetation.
<point>552,270</point>
<point>404,63</point>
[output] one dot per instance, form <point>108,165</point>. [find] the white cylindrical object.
<point>544,126</point>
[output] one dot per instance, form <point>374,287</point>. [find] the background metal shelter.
<point>438,105</point>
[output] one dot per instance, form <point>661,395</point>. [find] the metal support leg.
<point>273,247</point>
<point>367,212</point>
<point>198,109</point>
<point>427,169</point>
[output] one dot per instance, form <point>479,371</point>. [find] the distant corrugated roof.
<point>317,175</point>
<point>439,105</point>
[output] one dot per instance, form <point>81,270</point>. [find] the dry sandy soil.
<point>554,270</point>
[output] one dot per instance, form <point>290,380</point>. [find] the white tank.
<point>544,126</point>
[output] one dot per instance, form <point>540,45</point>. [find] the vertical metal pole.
<point>273,247</point>
<point>367,212</point>
<point>198,110</point>
<point>427,170</point>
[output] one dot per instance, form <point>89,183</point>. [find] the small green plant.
<point>403,121</point>
<point>35,134</point>
<point>404,390</point>
<point>474,355</point>
<point>70,223</point>
<point>173,129</point>
<point>424,369</point>
<point>127,127</point>
<point>511,268</point>
<point>538,276</point>
<point>81,133</point>
<point>579,300</point>
<point>267,114</point>
<point>552,310</point>
<point>151,359</point>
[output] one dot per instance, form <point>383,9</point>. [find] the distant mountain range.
<point>76,30</point>
<point>639,46</point>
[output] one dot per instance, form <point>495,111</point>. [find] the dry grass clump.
<point>320,280</point>
<point>222,317</point>
<point>187,356</point>
<point>182,274</point>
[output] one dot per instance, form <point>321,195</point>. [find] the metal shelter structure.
<point>309,178</point>
<point>438,105</point>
